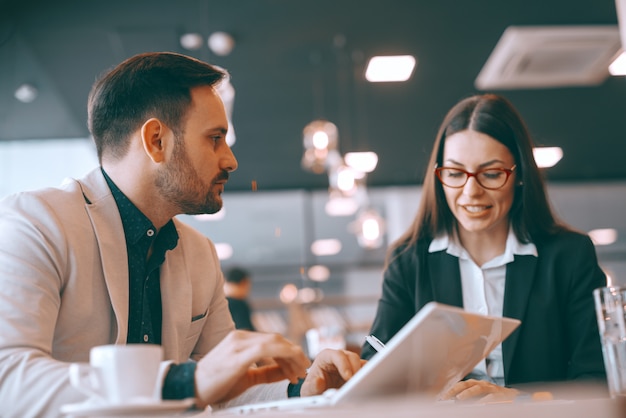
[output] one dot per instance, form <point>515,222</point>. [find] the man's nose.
<point>229,161</point>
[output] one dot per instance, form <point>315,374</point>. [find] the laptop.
<point>439,346</point>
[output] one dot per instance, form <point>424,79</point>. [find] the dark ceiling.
<point>295,61</point>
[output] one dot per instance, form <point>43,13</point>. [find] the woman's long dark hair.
<point>531,215</point>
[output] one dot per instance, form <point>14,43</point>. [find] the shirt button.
<point>150,232</point>
<point>145,338</point>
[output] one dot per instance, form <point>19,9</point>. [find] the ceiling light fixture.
<point>288,293</point>
<point>26,93</point>
<point>550,56</point>
<point>618,66</point>
<point>390,68</point>
<point>323,247</point>
<point>603,236</point>
<point>344,179</point>
<point>362,161</point>
<point>347,191</point>
<point>338,205</point>
<point>309,295</point>
<point>320,140</point>
<point>369,228</point>
<point>318,273</point>
<point>547,156</point>
<point>191,41</point>
<point>224,251</point>
<point>221,43</point>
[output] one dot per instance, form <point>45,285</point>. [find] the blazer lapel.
<point>176,295</point>
<point>520,276</point>
<point>108,229</point>
<point>445,278</point>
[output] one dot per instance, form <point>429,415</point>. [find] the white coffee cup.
<point>119,374</point>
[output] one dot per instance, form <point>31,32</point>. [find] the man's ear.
<point>154,137</point>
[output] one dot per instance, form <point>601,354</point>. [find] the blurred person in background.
<point>237,286</point>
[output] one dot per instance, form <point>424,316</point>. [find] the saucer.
<point>94,409</point>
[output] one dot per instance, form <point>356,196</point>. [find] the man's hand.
<point>230,368</point>
<point>480,390</point>
<point>330,370</point>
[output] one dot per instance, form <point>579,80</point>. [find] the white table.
<point>411,408</point>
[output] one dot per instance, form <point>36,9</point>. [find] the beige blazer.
<point>64,289</point>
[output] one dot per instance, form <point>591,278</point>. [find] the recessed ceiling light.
<point>390,68</point>
<point>550,56</point>
<point>221,43</point>
<point>618,66</point>
<point>26,93</point>
<point>547,156</point>
<point>224,250</point>
<point>191,41</point>
<point>322,247</point>
<point>603,236</point>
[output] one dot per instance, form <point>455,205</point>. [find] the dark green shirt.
<point>144,287</point>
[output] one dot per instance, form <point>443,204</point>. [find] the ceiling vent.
<point>550,56</point>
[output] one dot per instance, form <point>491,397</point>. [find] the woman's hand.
<point>480,390</point>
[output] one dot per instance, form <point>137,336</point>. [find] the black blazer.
<point>551,294</point>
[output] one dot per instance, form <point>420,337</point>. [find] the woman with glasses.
<point>485,239</point>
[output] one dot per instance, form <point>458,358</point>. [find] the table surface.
<point>412,407</point>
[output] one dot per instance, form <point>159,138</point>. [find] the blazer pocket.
<point>198,317</point>
<point>197,323</point>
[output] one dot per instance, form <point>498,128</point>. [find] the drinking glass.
<point>610,303</point>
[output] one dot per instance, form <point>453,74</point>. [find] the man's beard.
<point>179,183</point>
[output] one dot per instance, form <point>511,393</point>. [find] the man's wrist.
<point>293,389</point>
<point>180,381</point>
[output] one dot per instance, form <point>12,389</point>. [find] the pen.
<point>375,342</point>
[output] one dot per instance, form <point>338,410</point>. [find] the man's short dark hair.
<point>237,275</point>
<point>154,84</point>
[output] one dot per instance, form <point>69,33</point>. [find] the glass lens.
<point>492,179</point>
<point>452,177</point>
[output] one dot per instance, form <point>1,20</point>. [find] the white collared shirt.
<point>483,286</point>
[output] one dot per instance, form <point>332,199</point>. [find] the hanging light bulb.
<point>369,228</point>
<point>221,43</point>
<point>318,273</point>
<point>320,139</point>
<point>362,161</point>
<point>191,41</point>
<point>339,205</point>
<point>347,192</point>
